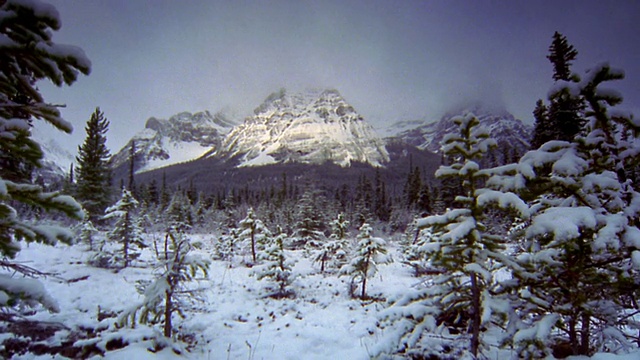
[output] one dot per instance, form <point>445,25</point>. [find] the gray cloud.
<point>391,60</point>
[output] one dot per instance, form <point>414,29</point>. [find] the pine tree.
<point>310,221</point>
<point>370,252</point>
<point>167,293</point>
<point>254,232</point>
<point>542,129</point>
<point>561,54</point>
<point>412,188</point>
<point>179,212</point>
<point>126,229</point>
<point>94,172</point>
<point>227,246</point>
<point>460,247</point>
<point>28,55</point>
<point>276,266</point>
<point>335,250</point>
<point>87,233</point>
<point>561,119</point>
<point>580,266</point>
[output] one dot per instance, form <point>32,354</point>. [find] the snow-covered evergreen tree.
<point>28,55</point>
<point>254,232</point>
<point>416,249</point>
<point>335,251</point>
<point>370,251</point>
<point>169,292</point>
<point>309,219</point>
<point>227,246</point>
<point>126,229</point>
<point>464,250</point>
<point>179,213</point>
<point>581,262</point>
<point>276,266</point>
<point>87,234</point>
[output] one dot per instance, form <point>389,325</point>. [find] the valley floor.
<point>234,320</point>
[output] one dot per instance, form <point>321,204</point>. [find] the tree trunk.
<point>167,314</point>
<point>253,245</point>
<point>364,286</point>
<point>126,240</point>
<point>573,336</point>
<point>584,346</point>
<point>475,319</point>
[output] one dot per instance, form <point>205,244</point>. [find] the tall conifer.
<point>94,172</point>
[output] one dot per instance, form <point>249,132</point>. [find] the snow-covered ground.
<point>235,320</point>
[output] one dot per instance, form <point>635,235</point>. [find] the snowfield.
<point>234,319</point>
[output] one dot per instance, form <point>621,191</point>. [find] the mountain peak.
<point>184,136</point>
<point>313,126</point>
<point>502,126</point>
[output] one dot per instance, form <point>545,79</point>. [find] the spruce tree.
<point>370,252</point>
<point>28,55</point>
<point>334,251</point>
<point>254,232</point>
<point>562,118</point>
<point>542,129</point>
<point>126,230</point>
<point>310,221</point>
<point>580,268</point>
<point>561,54</point>
<point>276,266</point>
<point>460,248</point>
<point>168,293</point>
<point>94,172</point>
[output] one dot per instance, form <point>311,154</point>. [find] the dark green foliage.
<point>94,172</point>
<point>573,281</point>
<point>562,118</point>
<point>310,221</point>
<point>561,54</point>
<point>28,55</point>
<point>542,130</point>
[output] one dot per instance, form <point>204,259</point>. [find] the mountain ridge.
<point>313,126</point>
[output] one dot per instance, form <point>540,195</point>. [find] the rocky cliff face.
<point>180,138</point>
<point>312,127</point>
<point>502,126</point>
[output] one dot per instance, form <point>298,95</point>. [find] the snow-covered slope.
<point>502,126</point>
<point>56,161</point>
<point>312,127</point>
<point>181,138</point>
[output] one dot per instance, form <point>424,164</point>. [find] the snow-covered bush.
<point>370,251</point>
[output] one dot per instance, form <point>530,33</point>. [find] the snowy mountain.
<point>502,126</point>
<point>181,138</point>
<point>311,127</point>
<point>56,161</point>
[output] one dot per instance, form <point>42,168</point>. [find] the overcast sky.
<point>392,60</point>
